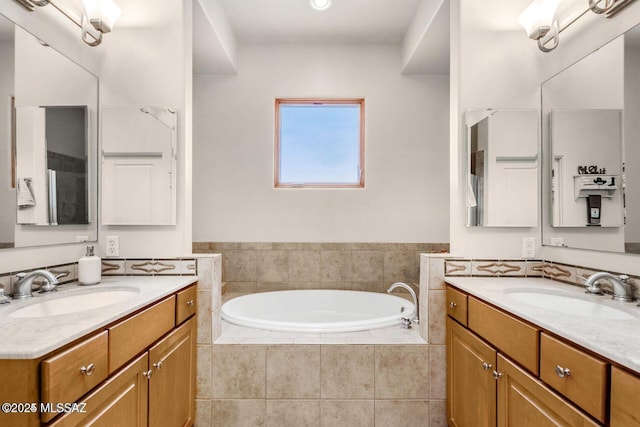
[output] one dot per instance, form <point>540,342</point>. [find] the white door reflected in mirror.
<point>502,168</point>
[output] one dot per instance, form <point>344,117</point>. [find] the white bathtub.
<point>317,310</point>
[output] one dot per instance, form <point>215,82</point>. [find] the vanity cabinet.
<point>137,371</point>
<point>492,373</point>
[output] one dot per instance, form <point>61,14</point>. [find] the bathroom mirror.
<point>591,141</point>
<point>48,144</point>
<point>502,168</point>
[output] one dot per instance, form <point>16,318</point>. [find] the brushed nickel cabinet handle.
<point>562,372</point>
<point>190,303</point>
<point>88,370</point>
<point>496,375</point>
<point>486,366</point>
<point>158,365</point>
<point>453,304</point>
<point>147,374</point>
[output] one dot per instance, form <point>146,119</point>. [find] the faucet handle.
<point>3,298</point>
<point>405,322</point>
<point>624,278</point>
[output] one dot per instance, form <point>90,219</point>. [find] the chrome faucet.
<point>622,289</point>
<point>22,287</point>
<point>406,322</point>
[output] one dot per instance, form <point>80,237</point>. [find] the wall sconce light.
<point>98,19</point>
<point>540,24</point>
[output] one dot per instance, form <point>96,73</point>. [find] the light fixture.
<point>98,19</point>
<point>320,4</point>
<point>540,24</point>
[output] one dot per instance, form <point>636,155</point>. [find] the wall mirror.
<point>48,144</point>
<point>591,140</point>
<point>502,168</point>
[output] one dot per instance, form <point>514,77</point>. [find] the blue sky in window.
<point>319,143</point>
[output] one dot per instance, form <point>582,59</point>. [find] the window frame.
<point>318,101</point>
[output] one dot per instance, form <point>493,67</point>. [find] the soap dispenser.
<point>89,268</point>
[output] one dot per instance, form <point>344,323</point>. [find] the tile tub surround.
<point>264,266</point>
<point>321,385</point>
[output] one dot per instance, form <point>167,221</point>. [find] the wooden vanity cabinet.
<point>143,373</point>
<point>487,385</point>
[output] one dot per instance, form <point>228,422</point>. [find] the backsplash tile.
<point>457,268</point>
<point>265,266</point>
<point>113,267</point>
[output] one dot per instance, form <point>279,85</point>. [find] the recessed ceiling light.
<point>320,4</point>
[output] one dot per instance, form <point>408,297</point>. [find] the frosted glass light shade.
<point>538,14</point>
<point>106,11</point>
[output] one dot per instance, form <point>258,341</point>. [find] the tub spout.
<point>416,318</point>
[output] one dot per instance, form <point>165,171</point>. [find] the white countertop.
<point>616,340</point>
<point>30,338</point>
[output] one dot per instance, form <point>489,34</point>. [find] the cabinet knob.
<point>486,366</point>
<point>496,375</point>
<point>158,365</point>
<point>147,374</point>
<point>190,303</point>
<point>88,370</point>
<point>562,372</point>
<point>452,304</point>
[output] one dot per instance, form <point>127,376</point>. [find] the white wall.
<point>406,193</point>
<point>151,65</point>
<point>489,69</point>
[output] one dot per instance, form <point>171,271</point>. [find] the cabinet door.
<point>172,385</point>
<point>524,401</point>
<point>121,401</point>
<point>625,389</point>
<point>471,389</point>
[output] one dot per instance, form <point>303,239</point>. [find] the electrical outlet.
<point>528,247</point>
<point>113,245</point>
<point>557,241</point>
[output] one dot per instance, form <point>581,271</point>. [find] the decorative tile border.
<point>150,267</point>
<point>565,273</point>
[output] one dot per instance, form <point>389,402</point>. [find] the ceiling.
<point>294,21</point>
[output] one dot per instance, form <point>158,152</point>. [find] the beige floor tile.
<point>347,371</point>
<point>237,413</point>
<point>347,413</point>
<point>293,413</point>
<point>402,372</point>
<point>293,372</point>
<point>402,413</point>
<point>238,371</point>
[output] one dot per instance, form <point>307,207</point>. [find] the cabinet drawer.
<point>186,303</point>
<point>70,374</point>
<point>120,401</point>
<point>625,389</point>
<point>457,305</point>
<point>585,382</point>
<point>512,336</point>
<point>525,401</point>
<point>130,337</point>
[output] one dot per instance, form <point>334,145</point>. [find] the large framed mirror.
<point>502,167</point>
<point>48,144</point>
<point>591,141</point>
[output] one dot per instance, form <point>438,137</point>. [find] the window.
<point>319,143</point>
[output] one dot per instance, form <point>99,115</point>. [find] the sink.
<point>75,303</point>
<point>568,304</point>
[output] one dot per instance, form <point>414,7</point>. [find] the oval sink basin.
<point>74,303</point>
<point>570,305</point>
